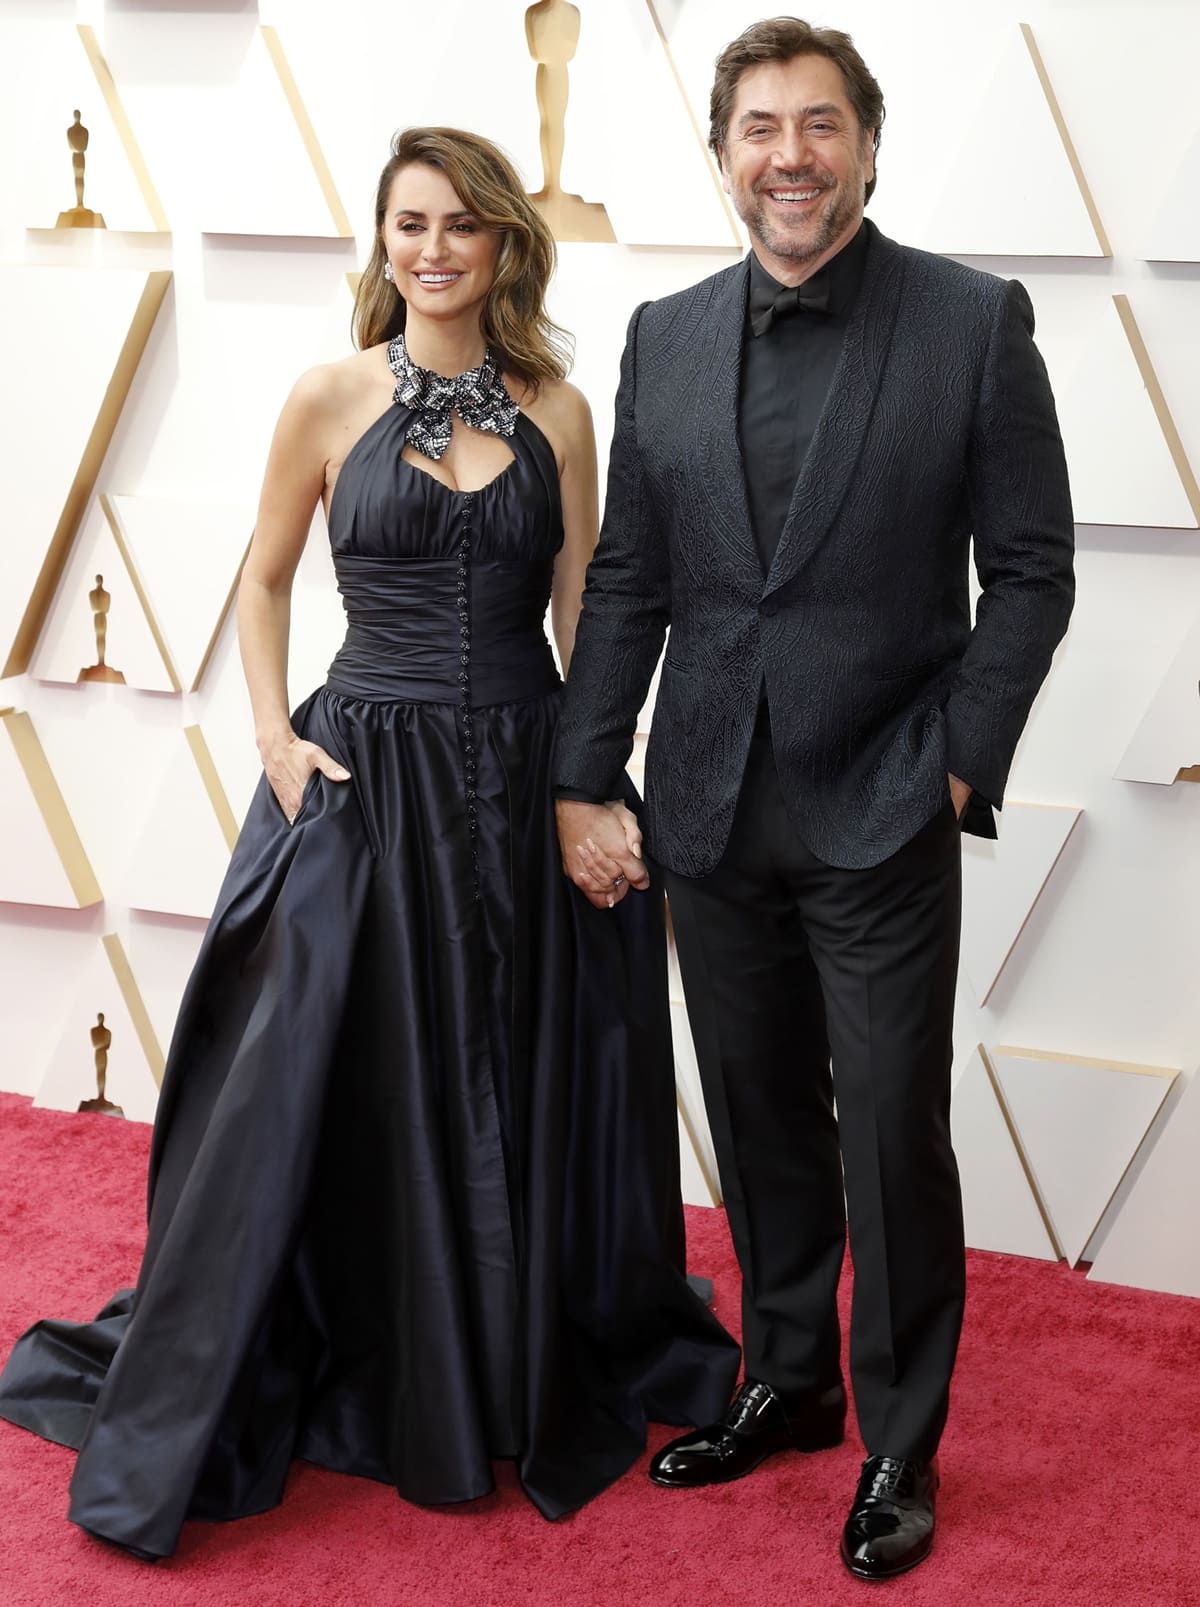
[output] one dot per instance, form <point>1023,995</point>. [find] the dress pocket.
<point>311,787</point>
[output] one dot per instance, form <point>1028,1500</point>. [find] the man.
<point>805,446</point>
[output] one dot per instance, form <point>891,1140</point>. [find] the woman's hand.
<point>289,763</point>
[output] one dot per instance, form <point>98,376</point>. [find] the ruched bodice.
<point>445,591</point>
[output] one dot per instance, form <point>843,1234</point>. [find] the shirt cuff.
<point>979,817</point>
<point>575,795</point>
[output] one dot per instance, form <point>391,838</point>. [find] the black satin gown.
<point>414,1185</point>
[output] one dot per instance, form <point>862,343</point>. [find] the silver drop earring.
<point>388,274</point>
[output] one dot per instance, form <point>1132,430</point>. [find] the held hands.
<point>289,763</point>
<point>601,846</point>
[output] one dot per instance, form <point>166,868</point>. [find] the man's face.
<point>796,163</point>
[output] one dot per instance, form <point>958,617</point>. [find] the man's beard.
<point>773,234</point>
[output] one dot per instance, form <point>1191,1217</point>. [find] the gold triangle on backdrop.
<point>183,844</point>
<point>1166,744</point>
<point>134,1003</point>
<point>80,492</point>
<point>1002,882</point>
<point>652,8</point>
<point>1159,402</point>
<point>121,123</point>
<point>213,785</point>
<point>177,552</point>
<point>1078,1123</point>
<point>1002,1209</point>
<point>133,1074</point>
<point>688,1126</point>
<point>307,133</point>
<point>55,816</point>
<point>114,624</point>
<point>1068,143</point>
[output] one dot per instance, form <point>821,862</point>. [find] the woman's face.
<point>443,257</point>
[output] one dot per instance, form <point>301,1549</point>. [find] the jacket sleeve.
<point>1024,539</point>
<point>626,610</point>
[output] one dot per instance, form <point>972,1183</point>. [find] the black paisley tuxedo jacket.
<point>939,427</point>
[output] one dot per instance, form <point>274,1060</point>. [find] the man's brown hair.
<point>782,39</point>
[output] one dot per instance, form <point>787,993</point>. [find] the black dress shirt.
<point>786,374</point>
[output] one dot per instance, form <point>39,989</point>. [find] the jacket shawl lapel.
<point>714,389</point>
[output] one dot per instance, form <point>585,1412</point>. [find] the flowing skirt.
<point>414,1185</point>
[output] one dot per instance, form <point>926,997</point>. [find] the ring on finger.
<point>619,880</point>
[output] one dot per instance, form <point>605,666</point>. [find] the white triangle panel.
<point>488,86</point>
<point>693,1183</point>
<point>1174,235</point>
<point>669,199</point>
<point>257,176</point>
<point>1121,468</point>
<point>1153,1244</point>
<point>41,959</point>
<point>1000,1211</point>
<point>981,207</point>
<point>181,854</point>
<point>1002,881</point>
<point>1168,738</point>
<point>70,1076</point>
<point>690,1097</point>
<point>187,554</point>
<point>68,643</point>
<point>54,78</point>
<point>1079,1123</point>
<point>229,720</point>
<point>162,952</point>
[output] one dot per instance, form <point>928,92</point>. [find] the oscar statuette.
<point>101,1043</point>
<point>79,216</point>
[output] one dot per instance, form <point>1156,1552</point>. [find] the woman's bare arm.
<point>292,485</point>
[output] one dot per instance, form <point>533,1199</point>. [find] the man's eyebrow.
<point>826,109</point>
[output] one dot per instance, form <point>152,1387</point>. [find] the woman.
<point>414,1195</point>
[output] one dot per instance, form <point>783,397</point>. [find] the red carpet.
<point>1071,1467</point>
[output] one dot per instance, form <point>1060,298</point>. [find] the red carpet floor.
<point>1071,1466</point>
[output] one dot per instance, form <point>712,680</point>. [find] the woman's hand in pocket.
<point>288,765</point>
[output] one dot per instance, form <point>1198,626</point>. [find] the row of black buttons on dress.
<point>466,728</point>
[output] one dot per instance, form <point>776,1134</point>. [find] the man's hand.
<point>600,854</point>
<point>960,791</point>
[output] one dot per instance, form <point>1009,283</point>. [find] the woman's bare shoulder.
<point>564,401</point>
<point>561,412</point>
<point>330,388</point>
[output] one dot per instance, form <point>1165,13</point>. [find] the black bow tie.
<point>767,304</point>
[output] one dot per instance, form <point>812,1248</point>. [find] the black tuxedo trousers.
<point>789,963</point>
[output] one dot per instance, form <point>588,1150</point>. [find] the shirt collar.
<point>844,273</point>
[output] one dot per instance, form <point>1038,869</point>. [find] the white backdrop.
<point>260,150</point>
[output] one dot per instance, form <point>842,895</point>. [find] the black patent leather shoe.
<point>890,1527</point>
<point>756,1426</point>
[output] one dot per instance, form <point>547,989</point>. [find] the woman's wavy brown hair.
<point>514,318</point>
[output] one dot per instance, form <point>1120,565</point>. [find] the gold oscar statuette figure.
<point>552,30</point>
<point>100,671</point>
<point>79,216</point>
<point>101,1044</point>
